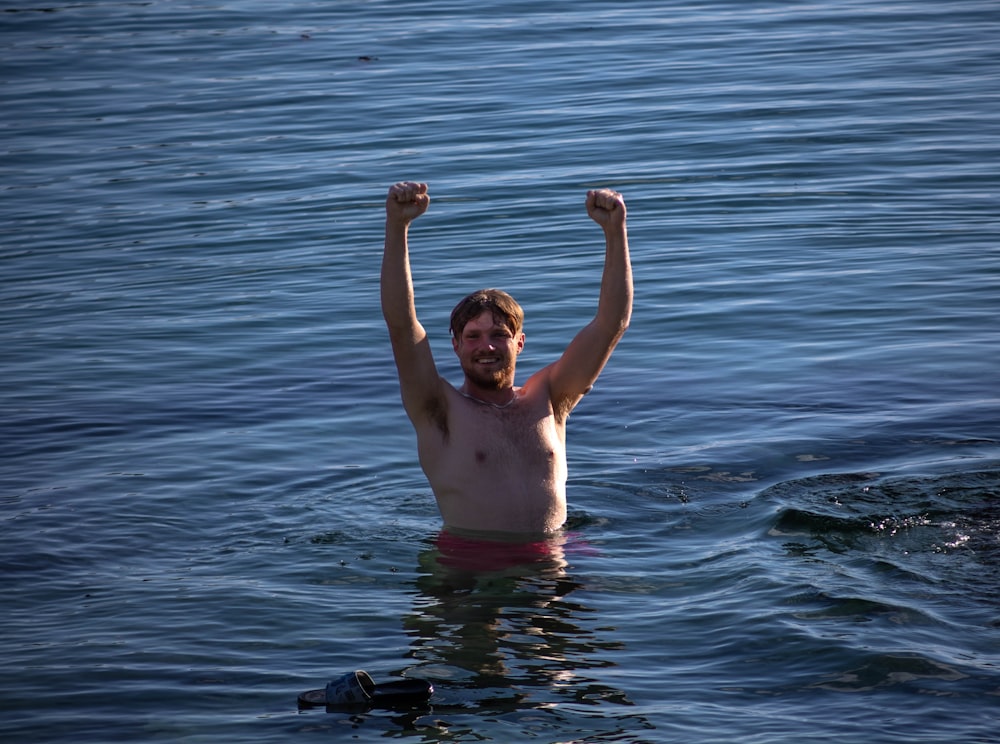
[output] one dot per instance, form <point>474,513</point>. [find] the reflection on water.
<point>191,202</point>
<point>503,626</point>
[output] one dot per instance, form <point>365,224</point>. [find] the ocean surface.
<point>784,489</point>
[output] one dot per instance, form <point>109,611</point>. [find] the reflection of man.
<point>490,608</point>
<point>516,641</point>
<point>495,454</point>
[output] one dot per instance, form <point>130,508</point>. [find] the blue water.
<point>785,488</point>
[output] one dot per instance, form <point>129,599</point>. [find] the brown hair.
<point>504,308</point>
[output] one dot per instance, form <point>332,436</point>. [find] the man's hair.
<point>504,308</point>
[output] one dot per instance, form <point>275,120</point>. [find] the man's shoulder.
<point>539,380</point>
<point>539,387</point>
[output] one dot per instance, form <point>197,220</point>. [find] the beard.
<point>497,378</point>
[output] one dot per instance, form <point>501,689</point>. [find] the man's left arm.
<point>575,372</point>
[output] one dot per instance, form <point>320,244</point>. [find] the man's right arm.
<point>420,384</point>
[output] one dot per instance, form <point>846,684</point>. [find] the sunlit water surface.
<point>785,489</point>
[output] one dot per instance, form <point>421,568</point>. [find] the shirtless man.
<point>495,454</point>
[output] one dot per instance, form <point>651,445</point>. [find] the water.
<point>784,488</point>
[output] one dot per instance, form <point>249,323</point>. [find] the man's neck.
<point>497,398</point>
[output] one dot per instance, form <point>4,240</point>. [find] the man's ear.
<point>520,343</point>
<point>454,343</point>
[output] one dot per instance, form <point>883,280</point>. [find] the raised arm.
<point>576,371</point>
<point>420,384</point>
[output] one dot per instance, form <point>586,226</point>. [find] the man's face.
<point>487,351</point>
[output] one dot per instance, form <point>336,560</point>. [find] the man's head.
<point>486,335</point>
<point>504,308</point>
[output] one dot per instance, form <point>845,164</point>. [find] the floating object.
<point>358,691</point>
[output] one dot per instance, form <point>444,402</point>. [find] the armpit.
<point>562,408</point>
<point>436,409</point>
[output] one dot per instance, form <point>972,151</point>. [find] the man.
<point>495,454</point>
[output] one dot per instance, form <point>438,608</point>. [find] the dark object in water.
<point>357,690</point>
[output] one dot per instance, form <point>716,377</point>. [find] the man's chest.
<point>517,436</point>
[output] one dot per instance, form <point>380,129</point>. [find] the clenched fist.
<point>406,201</point>
<point>606,207</point>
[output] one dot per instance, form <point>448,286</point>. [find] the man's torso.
<point>497,469</point>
